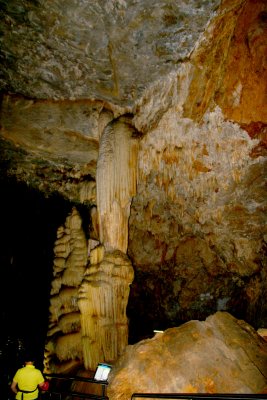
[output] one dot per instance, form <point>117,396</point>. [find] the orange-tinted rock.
<point>209,60</point>
<point>257,130</point>
<point>242,94</point>
<point>219,355</point>
<point>231,64</point>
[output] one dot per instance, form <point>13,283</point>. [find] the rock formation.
<point>116,181</point>
<point>88,321</point>
<point>64,335</point>
<point>219,355</point>
<point>199,216</point>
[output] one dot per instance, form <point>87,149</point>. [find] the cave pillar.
<point>104,292</point>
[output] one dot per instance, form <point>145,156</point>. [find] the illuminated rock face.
<point>243,92</point>
<point>197,226</point>
<point>219,355</point>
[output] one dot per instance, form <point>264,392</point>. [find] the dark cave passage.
<point>29,224</point>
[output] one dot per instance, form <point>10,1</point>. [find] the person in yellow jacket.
<point>27,381</point>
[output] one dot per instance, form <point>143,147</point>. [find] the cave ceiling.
<point>189,78</point>
<point>109,50</point>
<point>74,66</point>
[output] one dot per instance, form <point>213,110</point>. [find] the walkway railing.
<point>199,396</point>
<point>60,388</point>
<point>62,392</point>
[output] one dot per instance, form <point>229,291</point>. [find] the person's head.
<point>29,362</point>
<point>29,358</point>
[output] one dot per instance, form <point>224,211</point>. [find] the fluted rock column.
<point>71,257</point>
<point>103,295</point>
<point>103,298</point>
<point>116,183</point>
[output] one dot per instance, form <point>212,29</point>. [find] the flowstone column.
<point>104,292</point>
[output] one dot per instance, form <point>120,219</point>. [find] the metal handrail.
<point>76,378</point>
<point>171,396</point>
<point>61,394</point>
<point>196,396</point>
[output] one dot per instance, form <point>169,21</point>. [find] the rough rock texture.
<point>53,145</point>
<point>96,49</point>
<point>246,68</point>
<point>198,221</point>
<point>219,355</point>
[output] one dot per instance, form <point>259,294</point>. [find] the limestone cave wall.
<point>197,224</point>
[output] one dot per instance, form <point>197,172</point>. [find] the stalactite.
<point>68,347</point>
<point>183,160</point>
<point>88,192</point>
<point>94,232</point>
<point>70,322</point>
<point>116,183</point>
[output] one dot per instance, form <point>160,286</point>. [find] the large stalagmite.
<point>64,337</point>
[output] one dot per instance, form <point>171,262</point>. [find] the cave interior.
<point>133,150</point>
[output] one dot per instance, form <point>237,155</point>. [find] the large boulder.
<point>219,355</point>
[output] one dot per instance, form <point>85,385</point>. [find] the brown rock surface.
<point>219,355</point>
<point>197,223</point>
<point>242,95</point>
